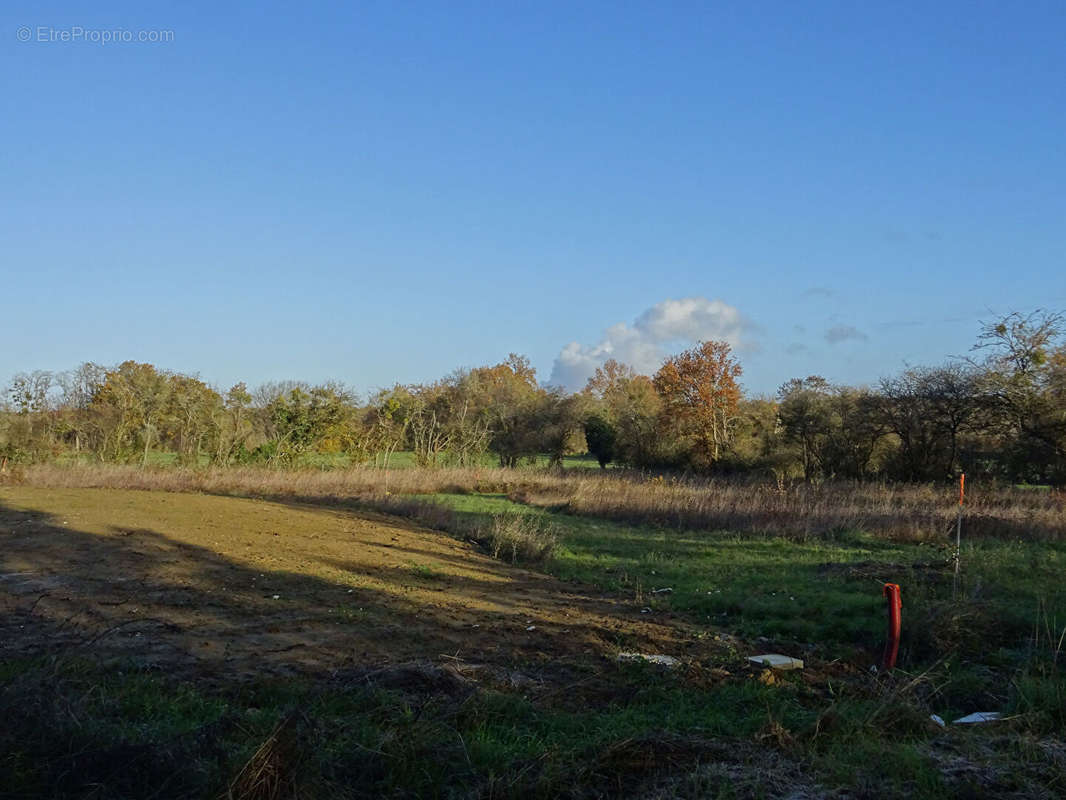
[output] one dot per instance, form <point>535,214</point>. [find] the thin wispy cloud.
<point>901,236</point>
<point>844,333</point>
<point>891,324</point>
<point>819,291</point>
<point>642,344</point>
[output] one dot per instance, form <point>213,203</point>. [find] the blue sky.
<point>380,192</point>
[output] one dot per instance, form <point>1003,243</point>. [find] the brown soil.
<point>239,587</point>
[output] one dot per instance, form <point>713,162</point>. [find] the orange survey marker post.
<point>891,592</point>
<point>957,557</point>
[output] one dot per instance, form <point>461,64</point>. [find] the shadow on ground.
<point>243,587</point>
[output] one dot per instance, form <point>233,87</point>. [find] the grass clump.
<point>512,535</point>
<point>521,537</point>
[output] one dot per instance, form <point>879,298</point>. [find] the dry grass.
<point>510,537</point>
<point>800,511</point>
<point>266,482</point>
<point>269,773</point>
<point>521,537</point>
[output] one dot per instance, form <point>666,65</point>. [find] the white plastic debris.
<point>645,610</point>
<point>277,597</point>
<point>776,661</point>
<point>978,716</point>
<point>666,590</point>
<point>662,661</point>
<point>531,628</point>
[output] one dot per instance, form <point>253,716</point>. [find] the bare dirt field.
<point>237,587</point>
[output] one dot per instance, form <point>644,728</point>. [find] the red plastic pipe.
<point>895,620</point>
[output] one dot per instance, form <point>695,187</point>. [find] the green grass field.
<point>824,596</point>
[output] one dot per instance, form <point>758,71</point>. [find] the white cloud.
<point>641,345</point>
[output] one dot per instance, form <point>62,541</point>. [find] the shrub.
<point>601,437</point>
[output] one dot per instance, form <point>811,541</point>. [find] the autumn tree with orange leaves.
<point>701,395</point>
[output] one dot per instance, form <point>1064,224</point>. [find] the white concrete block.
<point>776,661</point>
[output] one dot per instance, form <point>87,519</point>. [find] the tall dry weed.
<point>800,511</point>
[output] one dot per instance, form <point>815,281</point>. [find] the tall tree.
<point>31,434</point>
<point>806,420</point>
<point>635,409</point>
<point>558,421</point>
<point>509,398</point>
<point>193,409</point>
<point>79,386</point>
<point>700,395</point>
<point>1025,378</point>
<point>607,378</point>
<point>232,424</point>
<point>928,409</point>
<point>134,398</point>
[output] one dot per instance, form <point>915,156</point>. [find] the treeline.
<point>1001,413</point>
<point>126,413</point>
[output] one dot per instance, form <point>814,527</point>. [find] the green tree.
<point>308,420</point>
<point>132,403</point>
<point>232,424</point>
<point>193,409</point>
<point>386,423</point>
<point>806,421</point>
<point>557,420</point>
<point>31,431</point>
<point>602,438</point>
<point>508,398</point>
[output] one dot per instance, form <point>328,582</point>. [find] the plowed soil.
<point>240,587</point>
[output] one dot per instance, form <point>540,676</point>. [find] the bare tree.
<point>1024,378</point>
